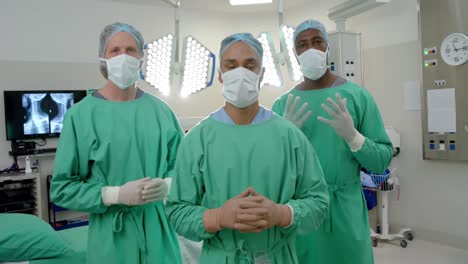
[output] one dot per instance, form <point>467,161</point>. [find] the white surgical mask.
<point>240,87</point>
<point>122,70</point>
<point>313,63</point>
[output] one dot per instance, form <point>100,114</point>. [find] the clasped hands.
<point>248,212</point>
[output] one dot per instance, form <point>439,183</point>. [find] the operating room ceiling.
<point>224,6</point>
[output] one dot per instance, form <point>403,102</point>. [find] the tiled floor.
<point>419,252</point>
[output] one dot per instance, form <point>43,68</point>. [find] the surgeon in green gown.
<point>116,150</point>
<point>347,132</point>
<point>246,180</point>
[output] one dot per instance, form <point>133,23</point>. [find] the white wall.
<point>433,196</point>
<point>52,44</point>
<point>433,193</point>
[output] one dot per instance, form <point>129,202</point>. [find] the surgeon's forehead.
<point>310,33</point>
<point>239,51</point>
<point>121,39</point>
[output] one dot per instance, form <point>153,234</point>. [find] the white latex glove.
<point>155,190</point>
<point>127,194</point>
<point>296,117</point>
<point>342,122</point>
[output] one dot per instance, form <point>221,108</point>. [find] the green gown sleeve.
<point>175,136</point>
<point>183,207</point>
<point>278,107</point>
<point>70,187</point>
<point>377,150</point>
<point>311,200</point>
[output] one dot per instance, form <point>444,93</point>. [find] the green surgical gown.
<point>217,161</point>
<point>105,143</point>
<point>344,236</point>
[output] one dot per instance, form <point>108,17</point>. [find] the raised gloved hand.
<point>227,216</point>
<point>127,194</point>
<point>341,119</point>
<point>155,190</point>
<point>296,117</point>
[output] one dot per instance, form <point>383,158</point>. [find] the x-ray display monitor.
<point>37,114</point>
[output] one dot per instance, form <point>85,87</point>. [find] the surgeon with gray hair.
<point>116,153</point>
<point>246,181</point>
<point>109,32</point>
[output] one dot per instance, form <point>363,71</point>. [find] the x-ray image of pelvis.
<point>37,121</point>
<point>64,101</point>
<point>45,112</point>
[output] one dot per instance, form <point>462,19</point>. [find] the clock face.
<point>454,49</point>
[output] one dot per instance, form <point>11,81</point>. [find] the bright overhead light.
<point>249,2</point>
<point>287,40</point>
<point>272,75</point>
<point>159,58</point>
<point>197,61</point>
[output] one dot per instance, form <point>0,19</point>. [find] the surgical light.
<point>272,75</point>
<point>160,55</point>
<point>197,60</point>
<point>286,38</point>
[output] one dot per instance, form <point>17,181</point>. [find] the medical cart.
<point>383,184</point>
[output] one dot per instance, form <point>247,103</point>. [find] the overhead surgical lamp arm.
<point>340,13</point>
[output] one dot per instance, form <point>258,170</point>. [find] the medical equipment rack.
<point>21,193</point>
<point>383,185</point>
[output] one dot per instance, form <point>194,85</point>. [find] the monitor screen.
<point>37,114</point>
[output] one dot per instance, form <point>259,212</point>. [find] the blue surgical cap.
<point>112,29</point>
<point>247,38</point>
<point>308,24</point>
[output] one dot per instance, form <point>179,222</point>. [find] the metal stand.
<point>385,235</point>
<point>383,184</point>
